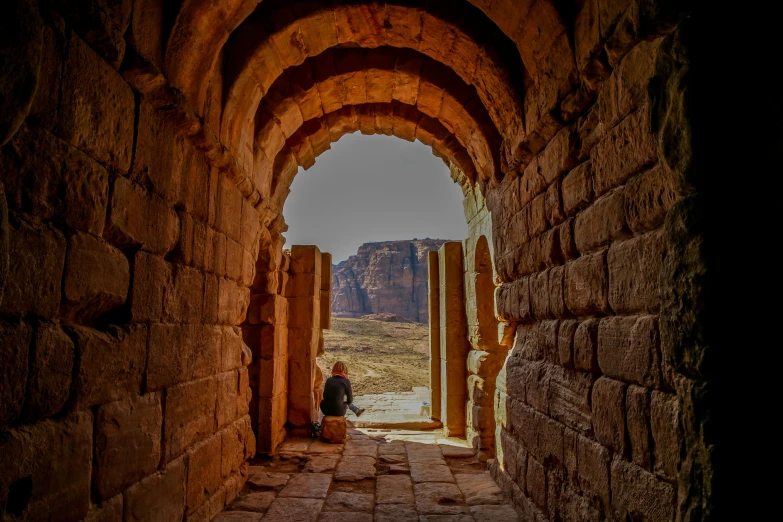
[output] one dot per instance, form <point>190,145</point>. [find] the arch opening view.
<point>166,278</point>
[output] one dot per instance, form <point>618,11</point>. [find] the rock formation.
<point>384,277</point>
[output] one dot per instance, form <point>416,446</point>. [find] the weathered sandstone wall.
<point>124,383</point>
<point>384,277</point>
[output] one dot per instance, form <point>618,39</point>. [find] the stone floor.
<point>377,476</point>
<point>410,410</point>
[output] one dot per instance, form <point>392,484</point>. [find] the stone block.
<point>274,376</point>
<point>159,497</point>
<point>233,349</point>
<point>586,346</point>
<point>204,478</point>
<point>97,114</point>
<point>559,156</point>
<point>189,416</point>
<point>183,250</point>
<point>51,180</point>
<point>568,396</point>
<point>96,278</point>
<point>267,309</point>
<point>51,372</point>
<point>637,408</point>
<point>521,306</point>
<point>209,312</point>
<point>168,359</point>
<point>638,494</point>
<point>159,154</point>
<point>601,223</point>
<point>586,285</point>
<point>110,364</point>
<point>227,387</point>
<point>140,218</point>
<point>233,302</point>
<point>535,481</point>
<point>539,295</point>
<point>629,349</point>
<point>303,284</point>
<point>557,306</point>
<point>634,269</point>
<point>219,248</point>
<point>182,301</point>
<point>234,440</point>
<point>235,257</point>
<point>554,205</point>
<point>152,275</point>
<point>51,461</point>
<point>127,443</point>
<point>36,256</point>
<point>609,414</point>
<point>565,342</point>
<point>334,430</point>
<point>577,188</point>
<point>624,150</point>
<point>565,240</point>
<point>304,312</point>
<point>537,223</point>
<point>305,258</point>
<point>15,341</point>
<point>593,469</point>
<point>666,434</point>
<point>648,197</point>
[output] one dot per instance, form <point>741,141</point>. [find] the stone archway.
<point>147,180</point>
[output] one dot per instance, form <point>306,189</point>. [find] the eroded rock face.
<point>385,277</point>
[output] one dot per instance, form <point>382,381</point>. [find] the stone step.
<point>397,422</point>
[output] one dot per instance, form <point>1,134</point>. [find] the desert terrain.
<point>381,356</point>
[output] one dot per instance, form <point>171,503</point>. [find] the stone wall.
<point>124,390</point>
<point>590,407</point>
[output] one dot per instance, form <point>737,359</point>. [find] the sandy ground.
<point>381,356</point>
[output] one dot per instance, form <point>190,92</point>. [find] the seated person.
<point>338,394</point>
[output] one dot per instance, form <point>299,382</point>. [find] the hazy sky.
<point>372,188</point>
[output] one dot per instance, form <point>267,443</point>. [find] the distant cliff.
<point>385,277</point>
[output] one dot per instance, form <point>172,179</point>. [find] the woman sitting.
<point>338,394</point>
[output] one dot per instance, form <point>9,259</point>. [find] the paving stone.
<point>237,516</point>
<point>431,473</point>
<point>395,513</point>
<point>325,448</point>
<point>294,510</point>
<point>295,445</point>
<point>355,467</point>
<point>307,485</point>
<point>436,498</point>
<point>322,463</point>
<point>399,469</point>
<point>256,502</point>
<point>479,489</point>
<point>367,448</point>
<point>503,513</point>
<point>396,447</point>
<point>345,517</point>
<point>456,452</point>
<point>393,459</point>
<point>350,502</point>
<point>394,489</point>
<point>260,479</point>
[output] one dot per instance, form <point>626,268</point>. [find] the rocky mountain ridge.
<point>384,277</point>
